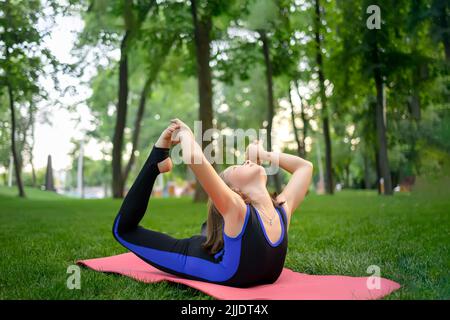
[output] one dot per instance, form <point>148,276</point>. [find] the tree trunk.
<point>270,104</point>
<point>377,166</point>
<point>300,146</point>
<point>347,175</point>
<point>414,104</point>
<point>381,137</point>
<point>414,99</point>
<point>202,30</point>
<point>383,162</point>
<point>303,116</point>
<point>329,184</point>
<point>30,127</point>
<point>145,93</point>
<point>17,167</point>
<point>118,181</point>
<point>443,24</point>
<point>137,127</point>
<point>366,171</point>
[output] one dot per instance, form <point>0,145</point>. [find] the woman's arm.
<point>301,170</point>
<point>226,200</point>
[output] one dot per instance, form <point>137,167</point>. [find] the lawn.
<point>407,236</point>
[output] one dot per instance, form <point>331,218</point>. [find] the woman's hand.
<point>182,130</point>
<point>165,140</point>
<point>227,202</point>
<point>255,152</point>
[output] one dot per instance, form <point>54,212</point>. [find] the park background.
<point>359,88</point>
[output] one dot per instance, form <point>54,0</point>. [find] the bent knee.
<point>117,230</point>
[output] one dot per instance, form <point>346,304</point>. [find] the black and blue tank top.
<point>251,258</point>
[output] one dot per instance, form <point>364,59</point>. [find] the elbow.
<point>305,168</point>
<point>309,164</point>
<point>309,167</point>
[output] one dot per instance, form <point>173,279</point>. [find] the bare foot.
<point>165,141</point>
<point>165,165</point>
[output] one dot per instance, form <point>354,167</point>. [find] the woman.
<point>246,235</point>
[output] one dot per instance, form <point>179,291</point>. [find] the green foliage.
<point>24,56</point>
<point>411,46</point>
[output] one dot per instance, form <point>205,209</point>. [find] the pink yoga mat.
<point>289,286</point>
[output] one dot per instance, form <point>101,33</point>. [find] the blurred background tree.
<point>368,105</point>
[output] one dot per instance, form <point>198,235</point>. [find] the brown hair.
<point>215,223</point>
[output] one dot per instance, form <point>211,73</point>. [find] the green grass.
<point>407,236</point>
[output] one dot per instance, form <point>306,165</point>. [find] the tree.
<point>162,38</point>
<point>264,19</point>
<point>329,184</point>
<point>101,18</point>
<point>440,31</point>
<point>301,148</point>
<point>150,42</point>
<point>270,103</point>
<point>131,26</point>
<point>289,56</point>
<point>202,29</point>
<point>21,64</point>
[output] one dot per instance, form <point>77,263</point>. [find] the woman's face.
<point>238,176</point>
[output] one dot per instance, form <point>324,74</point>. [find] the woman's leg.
<point>136,201</point>
<point>126,227</point>
<point>156,248</point>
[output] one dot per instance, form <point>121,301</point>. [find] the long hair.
<point>214,224</point>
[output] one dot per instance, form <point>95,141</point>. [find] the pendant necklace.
<point>270,219</point>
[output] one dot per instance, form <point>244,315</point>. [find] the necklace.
<point>267,217</point>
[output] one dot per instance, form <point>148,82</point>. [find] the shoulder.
<point>235,218</point>
<point>237,209</point>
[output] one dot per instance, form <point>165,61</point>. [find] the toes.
<point>165,165</point>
